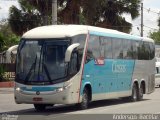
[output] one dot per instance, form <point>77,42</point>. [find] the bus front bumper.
<point>50,97</point>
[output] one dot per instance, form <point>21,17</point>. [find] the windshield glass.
<point>41,61</point>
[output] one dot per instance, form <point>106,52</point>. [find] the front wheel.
<point>85,100</point>
<point>40,107</point>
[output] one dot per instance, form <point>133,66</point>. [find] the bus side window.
<point>135,45</point>
<point>80,50</point>
<point>152,51</point>
<point>117,48</point>
<point>94,50</point>
<point>127,49</point>
<point>106,45</point>
<point>157,70</point>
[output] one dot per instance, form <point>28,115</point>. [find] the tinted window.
<point>127,49</point>
<point>106,47</point>
<point>152,51</point>
<point>157,70</point>
<point>117,48</point>
<point>79,39</point>
<point>94,47</point>
<point>147,51</point>
<point>144,51</point>
<point>135,49</point>
<point>140,51</point>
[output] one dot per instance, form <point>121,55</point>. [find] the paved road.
<point>98,110</point>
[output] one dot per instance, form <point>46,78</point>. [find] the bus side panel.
<point>110,79</point>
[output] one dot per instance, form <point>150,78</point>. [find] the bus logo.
<point>37,93</point>
<point>118,68</point>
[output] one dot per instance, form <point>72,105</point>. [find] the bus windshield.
<point>41,61</point>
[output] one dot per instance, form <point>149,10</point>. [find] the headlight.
<point>63,88</point>
<point>59,90</point>
<point>18,89</point>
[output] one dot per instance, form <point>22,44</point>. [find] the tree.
<point>70,11</point>
<point>44,7</point>
<point>1,42</point>
<point>159,23</point>
<point>103,13</point>
<point>7,37</point>
<point>24,19</point>
<point>155,36</point>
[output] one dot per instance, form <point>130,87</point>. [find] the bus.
<point>78,64</point>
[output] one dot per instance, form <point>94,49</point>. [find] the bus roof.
<point>56,31</point>
<point>61,31</point>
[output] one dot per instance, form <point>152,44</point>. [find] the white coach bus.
<point>77,64</point>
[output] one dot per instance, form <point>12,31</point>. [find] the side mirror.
<point>69,51</point>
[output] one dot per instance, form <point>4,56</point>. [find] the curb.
<point>7,84</point>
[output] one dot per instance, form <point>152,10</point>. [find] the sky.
<point>151,8</point>
<point>4,7</point>
<point>150,17</point>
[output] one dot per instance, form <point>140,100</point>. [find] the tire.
<point>140,93</point>
<point>135,92</point>
<point>40,107</point>
<point>85,100</point>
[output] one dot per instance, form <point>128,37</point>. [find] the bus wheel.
<point>134,96</point>
<point>85,100</point>
<point>40,107</point>
<point>140,94</point>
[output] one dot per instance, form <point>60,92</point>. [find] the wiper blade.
<point>30,70</point>
<point>47,72</point>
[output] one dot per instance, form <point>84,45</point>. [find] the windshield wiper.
<point>30,70</point>
<point>47,72</point>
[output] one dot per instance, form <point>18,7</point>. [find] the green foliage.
<point>102,13</point>
<point>155,36</point>
<point>159,22</point>
<point>1,41</point>
<point>1,73</point>
<point>7,37</point>
<point>23,20</point>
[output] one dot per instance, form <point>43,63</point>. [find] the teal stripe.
<point>114,35</point>
<point>41,89</point>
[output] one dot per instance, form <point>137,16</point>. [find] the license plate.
<point>37,99</point>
